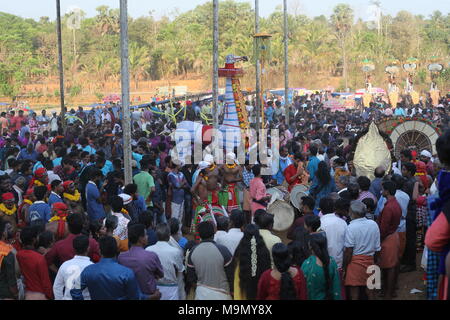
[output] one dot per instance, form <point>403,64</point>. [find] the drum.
<point>297,193</point>
<point>287,195</point>
<point>276,194</point>
<point>283,214</point>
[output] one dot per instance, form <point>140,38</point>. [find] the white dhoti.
<point>169,292</point>
<point>206,293</point>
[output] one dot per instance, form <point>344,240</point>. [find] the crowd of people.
<point>71,229</point>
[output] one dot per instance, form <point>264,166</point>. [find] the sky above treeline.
<point>39,8</point>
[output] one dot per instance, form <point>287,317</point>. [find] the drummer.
<point>296,173</point>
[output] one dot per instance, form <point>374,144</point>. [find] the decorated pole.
<point>435,69</point>
<point>392,69</point>
<point>125,83</point>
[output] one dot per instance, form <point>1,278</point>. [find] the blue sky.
<point>37,8</point>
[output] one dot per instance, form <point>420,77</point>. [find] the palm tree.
<point>139,62</point>
<point>342,21</point>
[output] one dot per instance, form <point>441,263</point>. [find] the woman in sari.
<point>321,271</point>
<point>284,281</point>
<point>252,260</point>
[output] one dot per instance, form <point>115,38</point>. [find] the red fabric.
<point>60,206</point>
<point>7,196</point>
<point>269,288</point>
<point>390,248</point>
<point>288,174</point>
<point>389,219</point>
<point>39,173</point>
<point>356,274</point>
<point>67,183</point>
<point>35,271</point>
<point>438,235</point>
<point>63,251</point>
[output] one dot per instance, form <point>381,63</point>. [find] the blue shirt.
<point>89,149</point>
<point>152,238</point>
<point>284,163</point>
<point>24,155</point>
<point>54,198</point>
<point>95,209</point>
<point>39,211</point>
<point>57,162</point>
<point>108,280</point>
<point>312,167</point>
<point>107,168</point>
<point>38,165</point>
<point>175,181</point>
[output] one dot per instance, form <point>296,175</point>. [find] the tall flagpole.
<point>286,63</point>
<point>215,88</point>
<point>125,82</point>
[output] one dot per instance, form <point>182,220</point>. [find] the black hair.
<point>309,202</point>
<point>326,205</point>
<point>205,230</point>
<point>318,244</point>
<point>353,189</point>
<point>410,167</point>
<point>163,232</point>
<point>313,150</point>
<point>398,180</point>
<point>370,204</point>
<point>40,192</point>
<point>299,156</point>
<point>174,225</point>
<point>146,218</point>
<point>96,173</point>
<point>264,220</point>
<point>80,244</point>
<point>27,235</point>
<point>342,204</point>
<point>75,223</point>
<point>323,173</point>
<point>390,187</point>
<point>136,231</point>
<point>111,222</point>
<point>243,254</point>
<point>237,218</point>
<point>379,173</point>
<point>283,261</point>
<point>3,224</point>
<point>364,183</point>
<point>46,239</point>
<point>313,222</point>
<point>130,188</point>
<point>55,183</point>
<point>108,247</point>
<point>443,148</point>
<point>407,154</point>
<point>223,223</point>
<point>116,203</point>
<point>256,169</point>
<point>299,247</point>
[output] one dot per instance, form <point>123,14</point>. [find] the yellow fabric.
<point>28,201</point>
<point>238,294</point>
<point>38,183</point>
<point>8,212</point>
<point>56,218</point>
<point>72,197</point>
<point>5,249</point>
<point>371,152</point>
<point>393,98</point>
<point>124,212</point>
<point>415,97</point>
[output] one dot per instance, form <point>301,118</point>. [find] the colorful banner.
<point>240,107</point>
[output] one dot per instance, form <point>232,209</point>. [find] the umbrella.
<point>112,98</point>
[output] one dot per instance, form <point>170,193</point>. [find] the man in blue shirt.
<point>108,280</point>
<point>57,191</point>
<point>313,162</point>
<point>94,206</point>
<point>39,211</point>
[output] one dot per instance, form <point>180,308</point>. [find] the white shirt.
<point>68,277</point>
<point>106,117</point>
<point>122,227</point>
<point>52,176</point>
<point>363,235</point>
<point>269,240</point>
<point>219,235</point>
<point>170,258</point>
<point>54,124</point>
<point>335,229</point>
<point>231,239</point>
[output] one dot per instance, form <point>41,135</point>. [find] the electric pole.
<point>215,88</point>
<point>258,71</point>
<point>125,81</point>
<point>286,64</point>
<point>60,63</point>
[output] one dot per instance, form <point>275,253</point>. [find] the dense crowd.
<point>71,228</point>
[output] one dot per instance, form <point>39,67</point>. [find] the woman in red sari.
<point>283,282</point>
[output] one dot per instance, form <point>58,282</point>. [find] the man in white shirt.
<point>222,225</point>
<point>106,116</point>
<point>233,237</point>
<point>335,229</point>
<point>68,276</point>
<point>172,262</point>
<point>362,247</point>
<point>265,223</point>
